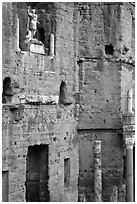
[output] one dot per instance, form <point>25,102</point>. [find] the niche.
<point>7,91</point>
<point>109,49</point>
<point>41,34</point>
<point>46,25</point>
<point>63,93</point>
<point>66,172</point>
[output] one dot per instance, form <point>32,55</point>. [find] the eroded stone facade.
<point>106,72</point>
<point>60,104</point>
<point>34,116</point>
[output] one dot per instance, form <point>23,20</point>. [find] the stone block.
<point>37,48</point>
<point>128,119</point>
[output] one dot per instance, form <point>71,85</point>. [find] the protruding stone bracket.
<point>16,110</point>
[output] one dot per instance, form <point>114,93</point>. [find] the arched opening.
<point>7,90</point>
<point>63,93</point>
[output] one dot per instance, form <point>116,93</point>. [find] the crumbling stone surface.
<point>39,125</point>
<point>94,57</point>
<point>100,96</point>
<point>34,115</point>
<point>112,161</point>
<point>106,73</point>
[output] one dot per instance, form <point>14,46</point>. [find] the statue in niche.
<point>32,24</point>
<point>33,44</point>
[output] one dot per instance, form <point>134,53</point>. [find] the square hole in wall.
<point>109,50</point>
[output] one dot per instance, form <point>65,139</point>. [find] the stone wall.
<point>105,57</point>
<point>40,125</point>
<point>34,116</point>
<point>112,162</point>
<point>100,95</point>
<point>94,60</point>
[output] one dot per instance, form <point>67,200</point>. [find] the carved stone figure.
<point>32,23</point>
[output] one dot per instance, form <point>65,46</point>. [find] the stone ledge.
<point>39,99</point>
<point>36,100</point>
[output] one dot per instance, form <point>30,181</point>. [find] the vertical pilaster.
<point>51,44</point>
<point>129,139</point>
<point>17,33</point>
<point>97,172</point>
<point>129,101</point>
<point>129,169</point>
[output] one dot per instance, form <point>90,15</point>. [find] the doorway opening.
<point>5,186</point>
<point>37,174</point>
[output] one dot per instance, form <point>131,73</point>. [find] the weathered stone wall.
<point>65,44</point>
<point>99,25</point>
<point>112,161</point>
<point>100,95</point>
<point>40,125</point>
<point>127,83</point>
<point>128,65</point>
<point>96,82</point>
<point>9,35</point>
<point>101,78</point>
<point>105,76</point>
<point>35,117</point>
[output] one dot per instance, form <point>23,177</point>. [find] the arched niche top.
<point>63,93</point>
<point>7,90</point>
